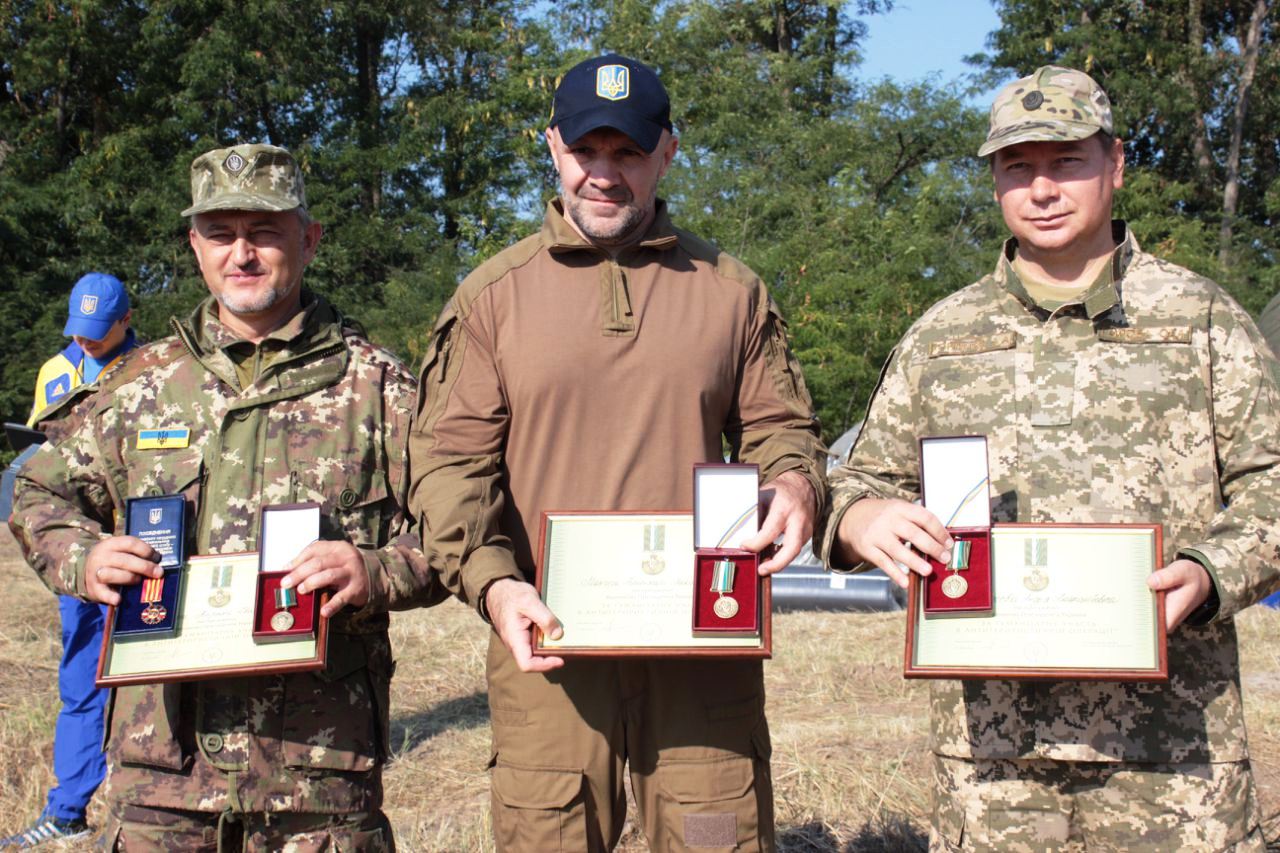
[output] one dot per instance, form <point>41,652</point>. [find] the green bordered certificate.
<point>621,584</point>
<point>1071,602</point>
<point>214,635</point>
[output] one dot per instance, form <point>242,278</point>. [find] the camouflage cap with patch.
<point>1054,104</point>
<point>245,177</point>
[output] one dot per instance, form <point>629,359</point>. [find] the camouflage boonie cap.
<point>1054,104</point>
<point>245,177</point>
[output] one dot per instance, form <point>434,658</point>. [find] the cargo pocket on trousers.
<point>539,809</point>
<point>706,801</point>
<point>358,841</point>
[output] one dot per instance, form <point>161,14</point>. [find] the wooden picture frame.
<point>214,637</point>
<point>1064,635</point>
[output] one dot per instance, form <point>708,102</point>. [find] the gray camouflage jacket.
<point>325,421</point>
<point>1153,399</point>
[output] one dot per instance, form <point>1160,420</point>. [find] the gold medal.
<point>282,621</point>
<point>955,586</point>
<point>722,577</point>
<point>725,608</point>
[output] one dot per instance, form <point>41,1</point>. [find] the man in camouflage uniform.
<point>274,398</point>
<point>1112,386</point>
<point>589,367</point>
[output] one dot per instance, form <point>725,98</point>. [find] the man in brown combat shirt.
<point>269,397</point>
<point>1112,386</point>
<point>589,367</point>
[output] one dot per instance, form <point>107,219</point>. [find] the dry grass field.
<point>849,733</point>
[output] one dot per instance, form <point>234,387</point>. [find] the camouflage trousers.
<point>142,829</point>
<point>1040,805</point>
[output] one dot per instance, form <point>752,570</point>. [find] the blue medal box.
<point>151,606</point>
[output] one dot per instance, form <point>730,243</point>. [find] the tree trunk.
<point>1231,190</point>
<point>369,37</point>
<point>782,28</point>
<point>1200,131</point>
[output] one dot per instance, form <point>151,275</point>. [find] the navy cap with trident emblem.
<point>612,91</point>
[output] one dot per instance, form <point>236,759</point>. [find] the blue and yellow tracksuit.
<point>78,761</point>
<point>70,369</point>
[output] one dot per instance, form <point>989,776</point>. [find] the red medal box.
<point>284,530</point>
<point>726,508</point>
<point>711,612</point>
<point>955,486</point>
<point>299,620</point>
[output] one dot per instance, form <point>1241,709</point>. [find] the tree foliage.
<point>419,126</point>
<point>1204,166</point>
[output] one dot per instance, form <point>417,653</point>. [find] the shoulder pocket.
<point>441,345</point>
<point>781,362</point>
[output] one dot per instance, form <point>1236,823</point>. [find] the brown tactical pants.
<point>143,829</point>
<point>692,731</point>
<point>1066,805</point>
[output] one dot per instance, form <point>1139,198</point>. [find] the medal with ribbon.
<point>956,586</point>
<point>722,578</point>
<point>152,594</point>
<point>285,599</point>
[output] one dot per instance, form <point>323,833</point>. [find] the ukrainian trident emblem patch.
<point>613,82</point>
<point>88,304</point>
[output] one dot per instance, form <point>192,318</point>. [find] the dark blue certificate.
<point>161,523</point>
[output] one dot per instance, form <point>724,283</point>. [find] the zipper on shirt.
<point>621,319</point>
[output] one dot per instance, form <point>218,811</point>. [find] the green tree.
<point>1193,86</point>
<point>858,206</point>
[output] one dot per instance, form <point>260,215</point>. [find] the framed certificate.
<point>214,633</point>
<point>1071,602</point>
<point>622,584</point>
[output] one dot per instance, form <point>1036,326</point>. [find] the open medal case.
<point>151,606</point>
<point>727,586</point>
<point>955,486</point>
<point>280,614</point>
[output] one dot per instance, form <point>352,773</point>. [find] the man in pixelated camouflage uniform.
<point>1112,386</point>
<point>269,397</point>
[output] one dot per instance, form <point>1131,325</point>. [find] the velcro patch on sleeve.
<point>163,439</point>
<point>1152,335</point>
<point>973,344</point>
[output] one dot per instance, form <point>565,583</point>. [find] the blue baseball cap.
<point>97,302</point>
<point>612,91</point>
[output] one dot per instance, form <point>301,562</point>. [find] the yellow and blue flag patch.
<point>163,439</point>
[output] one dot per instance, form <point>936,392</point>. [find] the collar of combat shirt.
<point>559,235</point>
<point>307,337</point>
<point>1100,297</point>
